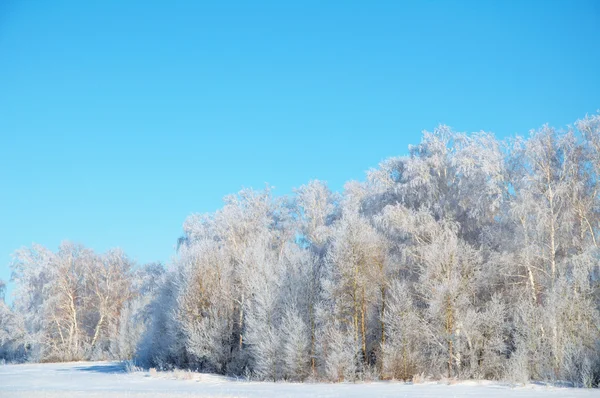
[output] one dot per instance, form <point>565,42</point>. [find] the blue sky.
<point>120,118</point>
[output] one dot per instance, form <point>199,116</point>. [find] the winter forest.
<point>469,258</point>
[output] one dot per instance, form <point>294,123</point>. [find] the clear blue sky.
<point>120,118</point>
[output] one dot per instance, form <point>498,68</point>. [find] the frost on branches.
<point>468,258</point>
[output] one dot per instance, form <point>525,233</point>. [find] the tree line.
<point>468,258</point>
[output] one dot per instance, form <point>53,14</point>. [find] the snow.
<point>111,380</point>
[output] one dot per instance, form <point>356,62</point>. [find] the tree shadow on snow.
<point>108,368</point>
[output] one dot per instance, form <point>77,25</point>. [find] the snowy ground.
<point>109,379</point>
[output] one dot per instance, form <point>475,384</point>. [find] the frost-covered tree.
<point>136,313</point>
<point>317,209</point>
<point>13,337</point>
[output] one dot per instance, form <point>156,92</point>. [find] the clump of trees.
<point>468,258</point>
<point>74,304</point>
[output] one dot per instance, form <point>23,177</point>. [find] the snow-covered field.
<point>110,379</point>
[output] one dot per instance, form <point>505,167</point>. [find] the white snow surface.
<point>110,379</point>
